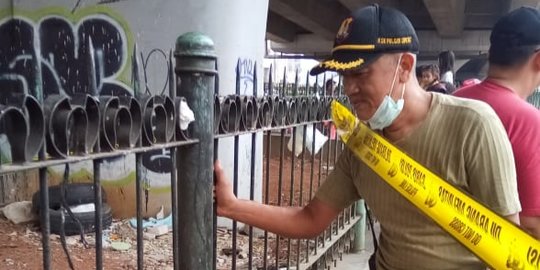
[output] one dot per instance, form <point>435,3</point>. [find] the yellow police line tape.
<point>495,240</point>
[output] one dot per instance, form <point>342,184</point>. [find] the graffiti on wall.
<point>50,48</point>
<point>60,47</point>
<point>246,71</point>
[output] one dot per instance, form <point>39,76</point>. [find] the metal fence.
<point>534,99</point>
<point>295,115</point>
<point>62,130</point>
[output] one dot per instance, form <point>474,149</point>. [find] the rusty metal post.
<point>196,73</point>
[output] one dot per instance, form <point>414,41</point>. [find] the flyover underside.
<point>307,26</point>
<point>469,44</point>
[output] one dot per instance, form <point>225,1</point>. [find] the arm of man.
<point>514,218</point>
<point>531,225</point>
<point>525,147</point>
<point>292,222</point>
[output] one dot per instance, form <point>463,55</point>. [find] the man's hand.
<point>531,224</point>
<point>223,191</point>
<point>292,222</point>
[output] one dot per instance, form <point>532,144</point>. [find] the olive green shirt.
<point>461,140</point>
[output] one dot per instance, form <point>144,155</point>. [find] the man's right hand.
<point>293,222</point>
<point>223,191</point>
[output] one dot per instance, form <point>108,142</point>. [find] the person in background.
<point>469,82</point>
<point>446,67</point>
<point>420,77</point>
<point>330,87</point>
<point>429,79</point>
<point>513,75</point>
<point>375,52</point>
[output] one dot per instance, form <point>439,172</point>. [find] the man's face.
<point>367,87</point>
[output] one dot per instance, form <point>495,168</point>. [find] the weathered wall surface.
<point>55,34</point>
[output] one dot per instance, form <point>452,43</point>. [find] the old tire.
<point>76,193</point>
<point>87,219</point>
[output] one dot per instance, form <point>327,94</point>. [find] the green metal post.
<point>360,228</point>
<point>196,75</point>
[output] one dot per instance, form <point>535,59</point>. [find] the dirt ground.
<point>20,245</point>
<point>306,183</point>
<point>21,248</point>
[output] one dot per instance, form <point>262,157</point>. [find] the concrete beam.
<point>481,21</point>
<point>519,3</point>
<point>487,6</point>
<point>353,5</point>
<point>415,10</point>
<point>471,40</point>
<point>306,43</point>
<point>431,43</point>
<point>434,56</point>
<point>280,29</point>
<point>319,17</point>
<point>273,37</point>
<point>448,16</point>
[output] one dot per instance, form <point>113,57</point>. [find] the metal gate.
<point>63,130</point>
<point>288,114</point>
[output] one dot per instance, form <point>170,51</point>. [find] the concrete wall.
<point>56,30</point>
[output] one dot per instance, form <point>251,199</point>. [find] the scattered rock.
<point>9,261</point>
<point>149,236</point>
<point>157,257</point>
<point>72,240</point>
<point>120,246</point>
<point>257,233</point>
<point>19,212</point>
<point>31,233</point>
<point>229,251</point>
<point>158,230</point>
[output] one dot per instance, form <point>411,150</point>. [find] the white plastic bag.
<point>186,115</point>
<point>320,140</point>
<point>298,145</point>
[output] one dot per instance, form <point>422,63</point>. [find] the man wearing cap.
<point>513,75</point>
<point>461,140</point>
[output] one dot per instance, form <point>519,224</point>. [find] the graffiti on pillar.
<point>56,40</point>
<point>246,70</point>
<point>158,80</point>
<point>59,45</point>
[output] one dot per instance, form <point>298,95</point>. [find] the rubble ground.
<point>21,246</point>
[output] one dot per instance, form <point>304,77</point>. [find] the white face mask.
<point>389,109</point>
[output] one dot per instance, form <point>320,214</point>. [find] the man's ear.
<point>407,65</point>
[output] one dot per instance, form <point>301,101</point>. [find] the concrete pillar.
<point>55,31</point>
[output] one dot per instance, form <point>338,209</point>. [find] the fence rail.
<point>58,129</point>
